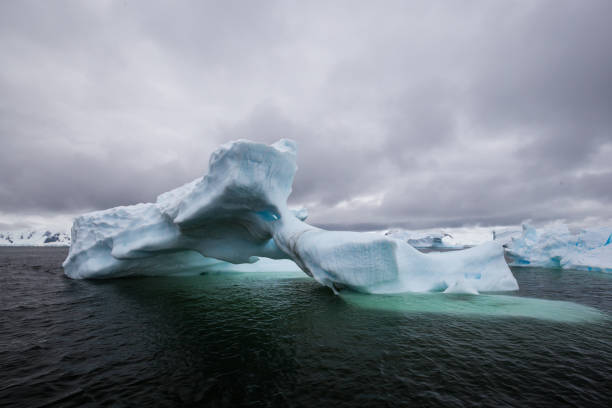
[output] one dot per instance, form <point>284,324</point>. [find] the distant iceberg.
<point>455,238</point>
<point>238,213</point>
<point>36,237</point>
<point>426,239</point>
<point>555,246</point>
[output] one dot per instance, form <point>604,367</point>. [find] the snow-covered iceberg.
<point>455,238</point>
<point>238,212</point>
<point>554,246</point>
<point>37,237</point>
<point>426,239</point>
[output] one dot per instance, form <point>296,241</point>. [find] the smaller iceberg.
<point>38,237</point>
<point>426,239</point>
<point>455,238</point>
<point>504,235</point>
<point>555,246</point>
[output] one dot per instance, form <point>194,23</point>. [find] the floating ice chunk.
<point>238,212</point>
<point>556,247</point>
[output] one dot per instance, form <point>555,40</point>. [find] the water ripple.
<point>283,340</point>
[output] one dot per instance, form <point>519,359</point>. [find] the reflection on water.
<point>280,339</point>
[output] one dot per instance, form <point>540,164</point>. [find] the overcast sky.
<point>412,114</point>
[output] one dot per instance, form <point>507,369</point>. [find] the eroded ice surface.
<point>238,212</point>
<point>555,246</point>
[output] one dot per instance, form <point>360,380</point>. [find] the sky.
<point>408,114</point>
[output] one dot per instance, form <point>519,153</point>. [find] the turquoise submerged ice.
<point>555,246</point>
<point>238,213</point>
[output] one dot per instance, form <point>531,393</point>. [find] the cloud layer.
<point>411,114</point>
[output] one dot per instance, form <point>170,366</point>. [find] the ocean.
<point>281,339</point>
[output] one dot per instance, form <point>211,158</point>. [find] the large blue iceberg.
<point>238,213</point>
<point>554,246</point>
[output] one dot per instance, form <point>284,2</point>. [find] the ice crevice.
<point>238,213</point>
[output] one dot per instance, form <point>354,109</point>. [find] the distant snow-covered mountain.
<point>34,238</point>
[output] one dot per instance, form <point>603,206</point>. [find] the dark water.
<point>283,340</point>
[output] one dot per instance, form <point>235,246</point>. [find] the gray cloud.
<point>409,114</point>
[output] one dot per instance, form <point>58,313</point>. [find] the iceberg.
<point>455,238</point>
<point>426,239</point>
<point>35,237</point>
<point>504,235</point>
<point>554,246</point>
<point>238,213</point>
